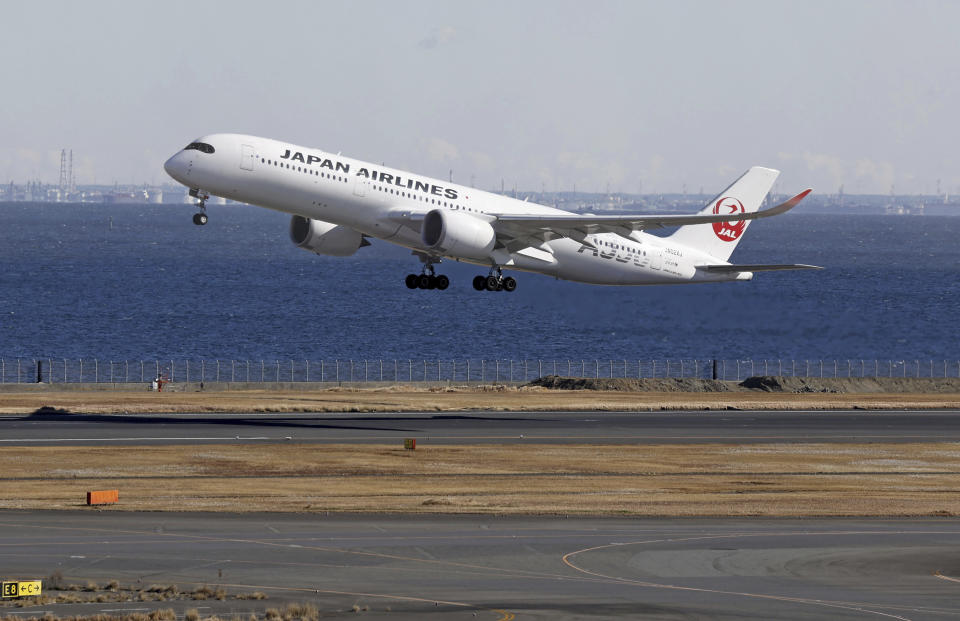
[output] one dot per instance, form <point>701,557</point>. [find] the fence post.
<point>338,370</point>
<point>667,372</point>
<point>96,371</point>
<point>498,370</point>
<point>598,368</point>
<point>322,369</point>
<point>511,368</point>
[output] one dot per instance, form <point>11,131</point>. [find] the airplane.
<point>337,203</point>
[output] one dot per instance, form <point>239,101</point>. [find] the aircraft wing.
<point>727,269</point>
<point>576,226</point>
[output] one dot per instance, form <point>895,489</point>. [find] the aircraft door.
<point>656,260</point>
<point>246,157</point>
<point>360,187</point>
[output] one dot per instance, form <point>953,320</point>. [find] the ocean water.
<point>142,282</point>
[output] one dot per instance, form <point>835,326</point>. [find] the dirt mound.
<point>634,385</point>
<point>771,383</point>
<point>761,383</point>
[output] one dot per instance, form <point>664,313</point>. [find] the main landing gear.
<point>200,218</point>
<point>494,282</point>
<point>428,279</point>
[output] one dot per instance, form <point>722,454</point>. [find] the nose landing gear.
<point>200,218</point>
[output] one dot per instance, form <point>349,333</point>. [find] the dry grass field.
<point>663,480</point>
<point>651,480</point>
<point>456,399</point>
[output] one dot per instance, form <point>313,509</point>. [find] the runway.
<point>504,568</point>
<point>486,427</point>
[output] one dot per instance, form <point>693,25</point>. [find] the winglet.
<point>787,205</point>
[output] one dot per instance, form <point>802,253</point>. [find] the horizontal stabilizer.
<point>728,269</point>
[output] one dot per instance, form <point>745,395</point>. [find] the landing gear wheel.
<point>509,284</point>
<point>493,283</point>
<point>442,282</point>
<point>412,280</point>
<point>424,281</point>
<point>479,283</point>
<point>199,219</point>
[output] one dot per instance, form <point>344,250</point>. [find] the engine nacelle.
<point>325,238</point>
<point>455,233</point>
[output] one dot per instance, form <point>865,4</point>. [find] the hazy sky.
<point>637,95</point>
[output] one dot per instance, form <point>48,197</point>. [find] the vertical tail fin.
<point>745,195</point>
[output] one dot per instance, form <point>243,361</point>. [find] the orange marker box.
<point>103,497</point>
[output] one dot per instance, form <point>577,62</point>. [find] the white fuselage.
<point>378,202</point>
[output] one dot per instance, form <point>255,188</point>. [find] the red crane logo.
<point>729,231</point>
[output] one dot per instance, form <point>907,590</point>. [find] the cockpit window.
<point>203,147</point>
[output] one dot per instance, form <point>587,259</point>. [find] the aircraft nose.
<point>176,167</point>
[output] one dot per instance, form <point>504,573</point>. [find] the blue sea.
<point>142,282</point>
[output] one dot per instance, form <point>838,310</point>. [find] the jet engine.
<point>457,234</point>
<point>325,238</point>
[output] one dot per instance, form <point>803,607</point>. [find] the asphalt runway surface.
<point>485,427</point>
<point>464,567</point>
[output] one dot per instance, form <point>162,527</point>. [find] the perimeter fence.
<point>53,370</point>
